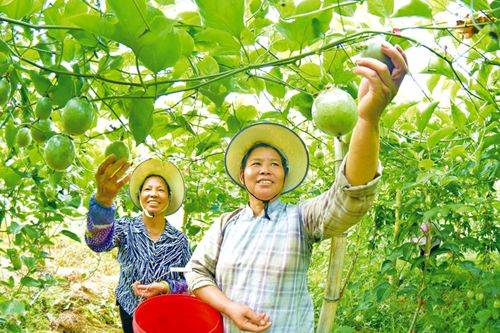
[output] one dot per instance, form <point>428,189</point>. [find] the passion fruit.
<point>4,91</point>
<point>23,137</point>
<point>373,49</point>
<point>334,111</point>
<point>77,116</point>
<point>42,130</point>
<point>119,149</point>
<point>59,152</point>
<point>43,108</point>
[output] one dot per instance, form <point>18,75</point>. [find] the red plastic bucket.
<point>176,314</point>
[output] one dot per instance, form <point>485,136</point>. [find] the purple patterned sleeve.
<point>178,286</point>
<point>100,226</point>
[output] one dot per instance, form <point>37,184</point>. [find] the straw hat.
<point>165,169</point>
<point>276,135</point>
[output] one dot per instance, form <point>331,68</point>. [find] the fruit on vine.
<point>496,304</point>
<point>43,108</point>
<point>318,154</point>
<point>4,91</point>
<point>119,149</point>
<point>470,294</point>
<point>373,50</point>
<point>479,297</point>
<point>23,137</point>
<point>77,116</point>
<point>41,131</point>
<point>59,152</point>
<point>334,111</point>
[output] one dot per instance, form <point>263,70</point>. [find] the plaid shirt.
<point>263,263</point>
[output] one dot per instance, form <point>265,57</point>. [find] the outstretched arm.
<point>378,87</point>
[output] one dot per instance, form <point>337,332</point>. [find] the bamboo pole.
<point>337,254</point>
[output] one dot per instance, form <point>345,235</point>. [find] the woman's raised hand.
<point>110,178</point>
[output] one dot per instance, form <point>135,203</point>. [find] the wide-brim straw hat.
<point>165,169</point>
<point>276,135</point>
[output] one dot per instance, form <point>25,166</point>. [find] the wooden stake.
<point>337,254</point>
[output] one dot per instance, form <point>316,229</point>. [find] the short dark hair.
<point>264,145</point>
<point>154,175</point>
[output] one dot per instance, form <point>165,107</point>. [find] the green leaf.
<point>30,282</point>
<point>382,8</point>
<point>302,102</point>
<point>439,135</point>
<point>140,118</point>
<point>393,114</point>
<point>459,119</point>
<point>424,116</point>
<point>225,15</point>
<point>12,308</point>
<point>426,164</point>
<point>276,89</point>
<point>381,291</point>
<point>415,8</point>
<point>217,42</point>
<point>305,30</point>
<point>246,113</point>
<point>71,235</point>
<point>16,9</point>
<point>477,4</point>
<point>11,178</point>
<point>131,15</point>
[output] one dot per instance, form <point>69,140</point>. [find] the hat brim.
<point>165,169</point>
<point>276,135</point>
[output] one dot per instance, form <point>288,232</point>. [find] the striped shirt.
<point>141,258</point>
<point>263,263</point>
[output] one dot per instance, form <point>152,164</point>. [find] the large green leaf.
<point>140,118</point>
<point>415,8</point>
<point>305,29</point>
<point>382,8</point>
<point>225,15</point>
<point>160,48</point>
<point>16,9</point>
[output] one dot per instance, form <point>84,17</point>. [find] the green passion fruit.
<point>4,91</point>
<point>373,50</point>
<point>23,137</point>
<point>59,152</point>
<point>42,130</point>
<point>334,112</point>
<point>43,108</point>
<point>119,149</point>
<point>77,116</point>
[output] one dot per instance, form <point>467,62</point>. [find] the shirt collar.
<point>272,208</point>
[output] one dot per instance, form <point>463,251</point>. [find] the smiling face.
<point>154,195</point>
<point>263,173</point>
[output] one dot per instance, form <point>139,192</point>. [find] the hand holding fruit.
<point>110,179</point>
<point>379,85</point>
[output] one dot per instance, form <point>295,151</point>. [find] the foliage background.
<point>177,79</point>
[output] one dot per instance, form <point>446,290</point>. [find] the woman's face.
<point>264,173</point>
<point>154,195</point>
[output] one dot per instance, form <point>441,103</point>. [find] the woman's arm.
<point>242,315</point>
<point>378,87</point>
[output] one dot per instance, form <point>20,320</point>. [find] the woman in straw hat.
<point>252,265</point>
<point>148,246</point>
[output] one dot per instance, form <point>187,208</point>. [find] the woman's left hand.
<point>379,86</point>
<point>148,290</point>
